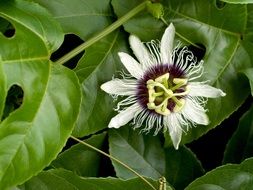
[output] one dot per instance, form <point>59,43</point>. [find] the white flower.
<point>161,89</point>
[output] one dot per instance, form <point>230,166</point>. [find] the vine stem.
<point>103,33</point>
<point>115,159</point>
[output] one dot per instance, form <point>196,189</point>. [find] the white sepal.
<point>133,67</point>
<point>204,90</point>
<point>194,112</point>
<point>124,87</point>
<point>173,124</point>
<point>141,52</point>
<point>167,44</point>
<point>125,116</point>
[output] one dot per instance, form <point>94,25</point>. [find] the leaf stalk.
<point>115,159</point>
<point>103,33</point>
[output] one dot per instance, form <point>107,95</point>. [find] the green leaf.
<point>32,135</point>
<point>80,159</point>
<point>240,145</point>
<point>249,73</point>
<point>4,25</point>
<point>182,167</point>
<point>249,30</point>
<point>83,18</point>
<point>144,25</point>
<point>63,179</point>
<point>143,153</point>
<point>230,176</point>
<point>248,36</point>
<point>219,31</point>
<point>99,64</point>
<point>238,1</point>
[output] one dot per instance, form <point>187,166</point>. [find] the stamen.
<point>163,89</point>
<point>179,82</point>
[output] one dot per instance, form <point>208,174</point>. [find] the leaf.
<point>230,176</point>
<point>182,167</point>
<point>4,24</point>
<point>143,153</point>
<point>63,179</point>
<point>144,25</point>
<point>80,159</point>
<point>83,18</point>
<point>240,145</point>
<point>219,31</point>
<point>99,64</point>
<point>32,135</point>
<point>249,30</point>
<point>248,36</point>
<point>249,73</point>
<point>238,1</point>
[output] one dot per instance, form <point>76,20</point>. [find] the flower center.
<point>166,95</point>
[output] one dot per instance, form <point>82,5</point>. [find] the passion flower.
<point>161,89</point>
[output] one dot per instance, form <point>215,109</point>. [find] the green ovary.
<point>161,91</point>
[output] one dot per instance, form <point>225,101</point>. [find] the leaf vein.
<point>81,15</point>
<point>228,62</point>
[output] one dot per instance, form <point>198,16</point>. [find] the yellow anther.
<point>187,90</point>
<point>180,81</point>
<point>151,105</point>
<point>162,78</point>
<point>150,81</point>
<point>151,98</point>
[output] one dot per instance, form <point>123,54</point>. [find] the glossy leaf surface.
<point>83,18</point>
<point>99,64</point>
<point>32,135</point>
<point>144,25</point>
<point>238,1</point>
<point>231,176</point>
<point>141,152</point>
<point>182,167</point>
<point>57,179</point>
<point>81,159</point>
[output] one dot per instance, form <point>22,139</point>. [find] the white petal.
<point>125,116</point>
<point>204,90</point>
<point>131,65</point>
<point>194,112</point>
<point>124,87</point>
<point>173,124</point>
<point>140,51</point>
<point>167,44</point>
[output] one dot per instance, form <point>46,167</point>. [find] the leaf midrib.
<point>27,27</point>
<point>141,156</point>
<point>237,35</point>
<point>83,15</point>
<point>29,127</point>
<point>228,62</point>
<point>44,58</point>
<point>96,67</point>
<point>200,22</point>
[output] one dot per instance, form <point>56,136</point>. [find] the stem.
<point>115,159</point>
<point>180,36</point>
<point>102,34</point>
